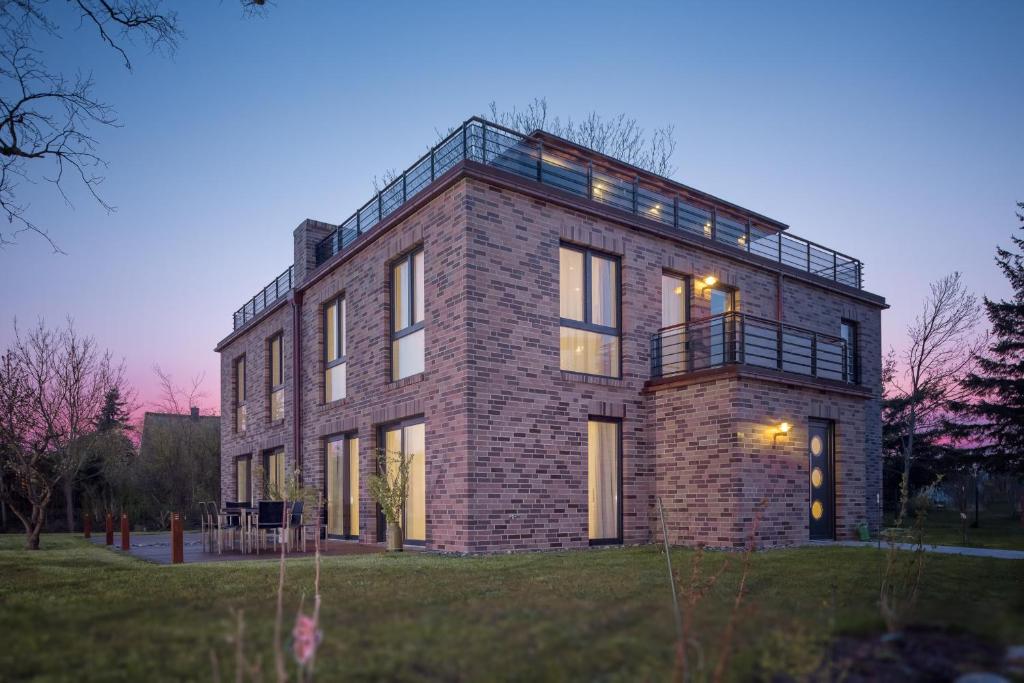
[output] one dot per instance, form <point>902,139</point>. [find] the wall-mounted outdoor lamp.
<point>710,281</point>
<point>781,430</point>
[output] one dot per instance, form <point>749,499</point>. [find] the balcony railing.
<point>741,339</point>
<point>280,287</point>
<point>487,143</point>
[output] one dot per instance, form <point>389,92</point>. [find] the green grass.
<point>996,529</point>
<point>74,611</point>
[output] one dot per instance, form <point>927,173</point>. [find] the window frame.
<point>851,369</point>
<point>687,290</point>
<point>382,431</point>
<point>340,341</point>
<point>618,540</point>
<point>586,324</point>
<point>346,439</point>
<point>247,458</point>
<point>240,367</point>
<point>266,467</point>
<point>409,259</point>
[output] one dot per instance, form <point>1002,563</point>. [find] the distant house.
<point>181,454</point>
<point>564,344</point>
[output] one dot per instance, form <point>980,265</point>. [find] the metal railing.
<point>742,339</point>
<point>484,142</point>
<point>280,287</point>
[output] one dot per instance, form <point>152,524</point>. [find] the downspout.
<point>296,383</point>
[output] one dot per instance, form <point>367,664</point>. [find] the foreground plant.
<point>389,487</point>
<point>902,569</point>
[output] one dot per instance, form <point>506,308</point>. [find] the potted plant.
<point>390,488</point>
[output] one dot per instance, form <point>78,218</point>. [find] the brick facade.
<point>506,429</point>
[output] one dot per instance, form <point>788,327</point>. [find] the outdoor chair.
<point>300,525</point>
<point>229,524</point>
<point>270,518</point>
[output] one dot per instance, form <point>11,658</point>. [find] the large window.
<point>277,377</point>
<point>343,486</point>
<point>848,331</point>
<point>604,480</point>
<point>674,308</point>
<point>243,479</point>
<point>407,342</point>
<point>335,350</point>
<point>589,310</point>
<point>273,473</point>
<point>240,395</point>
<point>409,440</point>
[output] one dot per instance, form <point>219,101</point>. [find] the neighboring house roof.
<point>176,423</point>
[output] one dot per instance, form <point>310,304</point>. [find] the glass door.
<point>604,481</point>
<point>722,330</point>
<point>343,487</point>
<point>673,315</point>
<point>409,441</point>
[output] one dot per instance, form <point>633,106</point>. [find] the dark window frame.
<point>382,431</point>
<point>248,459</point>
<point>345,438</point>
<point>266,465</point>
<point>618,540</point>
<point>851,370</point>
<point>240,401</point>
<point>586,324</point>
<point>409,258</point>
<point>687,291</point>
<point>341,357</point>
<point>279,337</point>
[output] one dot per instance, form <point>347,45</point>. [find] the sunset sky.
<point>888,131</point>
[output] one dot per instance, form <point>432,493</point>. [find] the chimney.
<point>195,412</point>
<point>307,236</point>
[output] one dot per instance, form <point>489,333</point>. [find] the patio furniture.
<point>208,517</point>
<point>229,524</point>
<point>301,524</point>
<point>270,519</point>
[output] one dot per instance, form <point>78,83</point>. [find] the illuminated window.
<point>277,377</point>
<point>407,333</point>
<point>240,395</point>
<point>409,440</point>
<point>273,474</point>
<point>604,469</point>
<point>343,486</point>
<point>243,479</point>
<point>335,350</point>
<point>589,311</point>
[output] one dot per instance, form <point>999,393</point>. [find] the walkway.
<point>157,548</point>
<point>941,549</point>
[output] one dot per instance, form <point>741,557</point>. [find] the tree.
<point>993,411</point>
<point>46,117</point>
<point>618,136</point>
<point>52,388</point>
<point>940,352</point>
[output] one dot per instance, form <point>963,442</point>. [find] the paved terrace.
<point>156,548</point>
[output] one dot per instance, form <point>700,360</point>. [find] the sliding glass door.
<point>343,487</point>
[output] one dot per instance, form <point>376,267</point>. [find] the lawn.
<point>74,611</point>
<point>996,529</point>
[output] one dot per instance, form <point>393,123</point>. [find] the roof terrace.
<point>583,173</point>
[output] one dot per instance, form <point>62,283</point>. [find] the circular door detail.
<point>817,509</point>
<point>816,477</point>
<point>816,445</point>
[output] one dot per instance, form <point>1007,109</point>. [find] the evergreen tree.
<point>995,415</point>
<point>114,414</point>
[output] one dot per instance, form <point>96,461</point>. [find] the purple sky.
<point>889,131</point>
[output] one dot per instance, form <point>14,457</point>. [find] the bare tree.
<point>47,117</point>
<point>176,399</point>
<point>618,136</point>
<point>942,343</point>
<point>52,387</point>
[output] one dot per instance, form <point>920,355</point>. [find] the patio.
<point>156,548</point>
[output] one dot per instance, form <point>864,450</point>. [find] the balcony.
<point>746,340</point>
<point>278,288</point>
<point>590,175</point>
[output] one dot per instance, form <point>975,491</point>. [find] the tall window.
<point>240,395</point>
<point>407,341</point>
<point>243,479</point>
<point>335,343</point>
<point>343,487</point>
<point>848,331</point>
<point>589,305</point>
<point>604,480</point>
<point>273,473</point>
<point>673,314</point>
<point>277,377</point>
<point>409,440</point>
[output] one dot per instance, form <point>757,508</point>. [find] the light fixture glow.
<point>710,280</point>
<point>784,428</point>
<point>679,289</point>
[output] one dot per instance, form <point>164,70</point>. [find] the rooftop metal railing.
<point>484,142</point>
<point>594,179</point>
<point>742,339</point>
<point>280,287</point>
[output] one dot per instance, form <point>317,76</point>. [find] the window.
<point>343,487</point>
<point>672,341</point>
<point>409,440</point>
<point>243,479</point>
<point>335,343</point>
<point>277,377</point>
<point>273,473</point>
<point>589,310</point>
<point>848,332</point>
<point>240,395</point>
<point>407,342</point>
<point>604,480</point>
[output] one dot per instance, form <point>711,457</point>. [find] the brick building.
<point>560,340</point>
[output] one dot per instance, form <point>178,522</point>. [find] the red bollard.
<point>87,526</point>
<point>125,540</point>
<point>177,540</point>
<point>110,529</point>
